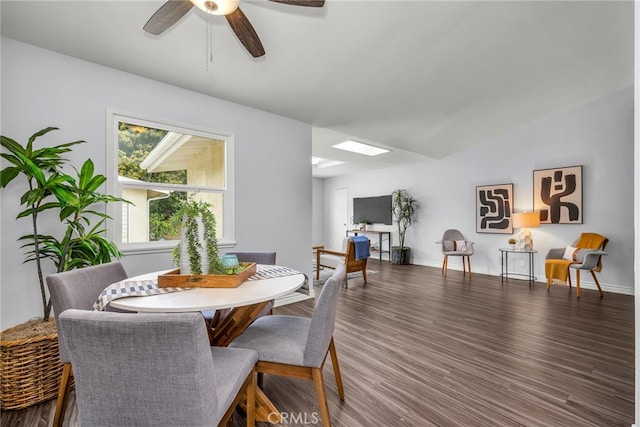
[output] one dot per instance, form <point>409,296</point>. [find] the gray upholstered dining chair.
<point>259,257</point>
<point>297,346</point>
<point>152,369</point>
<point>453,243</point>
<point>77,289</point>
<point>213,317</point>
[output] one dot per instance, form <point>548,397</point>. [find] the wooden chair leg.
<point>63,394</point>
<point>593,273</point>
<point>336,368</point>
<point>364,274</point>
<point>260,379</point>
<point>444,265</point>
<point>251,401</point>
<point>577,283</point>
<point>318,381</point>
<point>464,267</point>
<point>468,264</point>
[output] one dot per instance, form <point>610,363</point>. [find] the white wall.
<point>598,136</point>
<point>317,217</point>
<point>273,172</point>
<point>637,206</point>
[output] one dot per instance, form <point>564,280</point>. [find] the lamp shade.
<point>219,7</point>
<point>526,220</point>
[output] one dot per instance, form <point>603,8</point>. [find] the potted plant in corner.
<point>403,209</point>
<point>30,369</point>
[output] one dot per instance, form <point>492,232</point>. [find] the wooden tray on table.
<point>175,279</point>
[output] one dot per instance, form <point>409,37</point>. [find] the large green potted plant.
<point>73,199</point>
<point>403,208</point>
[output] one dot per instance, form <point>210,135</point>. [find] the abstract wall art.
<point>494,205</point>
<point>557,194</point>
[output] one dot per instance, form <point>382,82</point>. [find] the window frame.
<point>113,186</point>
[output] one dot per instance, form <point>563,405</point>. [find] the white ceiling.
<point>423,78</point>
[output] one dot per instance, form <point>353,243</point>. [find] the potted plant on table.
<point>30,367</point>
<point>403,208</point>
<point>197,253</point>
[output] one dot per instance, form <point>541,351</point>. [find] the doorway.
<point>339,219</point>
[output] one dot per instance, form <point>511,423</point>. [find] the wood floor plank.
<point>418,349</point>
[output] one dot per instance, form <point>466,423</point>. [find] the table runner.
<point>131,288</point>
<point>270,271</point>
<point>139,288</point>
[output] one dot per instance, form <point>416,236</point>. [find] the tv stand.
<point>380,239</point>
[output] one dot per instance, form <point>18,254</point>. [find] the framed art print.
<point>557,194</point>
<point>494,206</point>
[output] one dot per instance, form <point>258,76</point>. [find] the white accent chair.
<point>453,243</point>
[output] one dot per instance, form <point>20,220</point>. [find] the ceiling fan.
<point>171,12</point>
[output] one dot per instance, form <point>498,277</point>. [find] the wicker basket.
<point>30,371</point>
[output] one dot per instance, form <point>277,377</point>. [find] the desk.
<point>246,302</point>
<point>504,264</point>
<point>380,235</point>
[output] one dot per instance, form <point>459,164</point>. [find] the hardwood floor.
<point>418,349</point>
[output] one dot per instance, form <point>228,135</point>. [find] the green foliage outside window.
<point>134,145</point>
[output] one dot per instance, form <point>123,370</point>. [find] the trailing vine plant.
<point>192,210</point>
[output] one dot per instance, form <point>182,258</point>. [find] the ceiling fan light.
<point>217,7</point>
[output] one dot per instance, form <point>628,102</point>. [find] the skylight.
<point>360,148</point>
<point>321,163</point>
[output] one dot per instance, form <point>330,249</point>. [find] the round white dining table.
<point>198,299</point>
<point>247,302</point>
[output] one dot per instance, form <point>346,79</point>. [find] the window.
<point>156,166</point>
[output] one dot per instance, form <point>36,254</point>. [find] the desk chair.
<point>77,289</point>
<point>298,347</point>
<point>154,369</point>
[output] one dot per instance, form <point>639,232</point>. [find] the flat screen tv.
<point>375,210</point>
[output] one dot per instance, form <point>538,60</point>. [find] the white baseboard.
<point>584,284</point>
<point>293,297</point>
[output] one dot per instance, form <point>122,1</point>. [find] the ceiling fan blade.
<point>309,3</point>
<point>245,32</point>
<point>168,14</point>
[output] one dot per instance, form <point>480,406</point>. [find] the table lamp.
<point>524,221</point>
